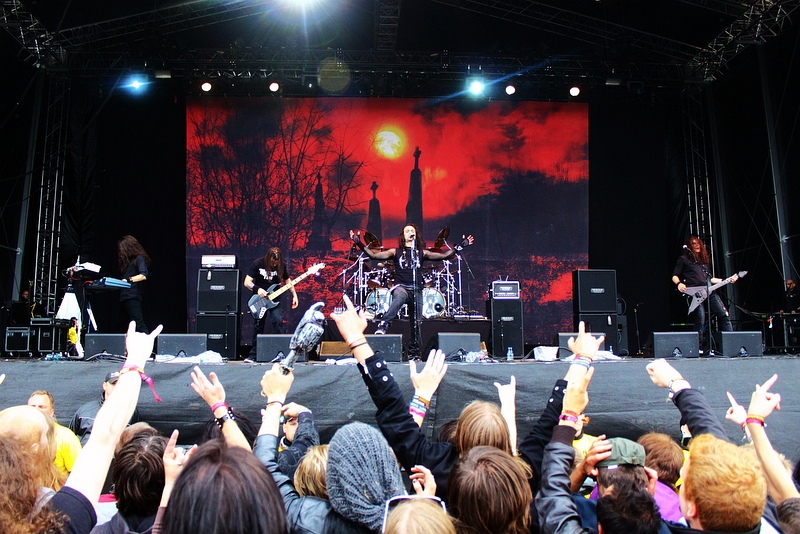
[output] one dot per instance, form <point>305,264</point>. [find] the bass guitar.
<point>260,305</point>
<point>699,294</point>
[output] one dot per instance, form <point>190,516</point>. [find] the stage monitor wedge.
<point>181,344</point>
<point>736,344</point>
<point>104,344</point>
<point>675,345</point>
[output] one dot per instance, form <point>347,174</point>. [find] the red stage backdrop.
<point>301,173</point>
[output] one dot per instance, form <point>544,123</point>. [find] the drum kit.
<point>370,287</point>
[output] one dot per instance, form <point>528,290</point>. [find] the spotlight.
<point>510,90</point>
<point>206,86</point>
<point>136,84</point>
<point>574,90</point>
<point>476,87</point>
<point>274,87</point>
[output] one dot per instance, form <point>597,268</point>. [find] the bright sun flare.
<point>389,144</point>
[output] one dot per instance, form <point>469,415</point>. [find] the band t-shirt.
<point>691,273</point>
<point>263,276</point>
<point>403,273</point>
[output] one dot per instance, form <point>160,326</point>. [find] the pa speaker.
<point>181,344</point>
<point>271,346</point>
<point>594,291</point>
<point>452,342</point>
<point>676,345</point>
<point>222,331</point>
<point>218,291</point>
<point>507,330</point>
<point>601,323</point>
<point>105,344</point>
<point>742,344</point>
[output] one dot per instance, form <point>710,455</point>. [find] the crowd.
<point>477,477</point>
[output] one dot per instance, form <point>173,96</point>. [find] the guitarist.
<point>692,269</point>
<point>263,274</point>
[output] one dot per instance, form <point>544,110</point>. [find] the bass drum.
<point>378,302</point>
<point>433,304</point>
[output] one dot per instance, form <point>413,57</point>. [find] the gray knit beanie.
<point>362,474</point>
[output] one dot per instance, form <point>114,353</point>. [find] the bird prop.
<point>306,336</point>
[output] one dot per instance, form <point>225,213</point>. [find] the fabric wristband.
<point>146,379</point>
<point>566,417</point>
<point>219,405</point>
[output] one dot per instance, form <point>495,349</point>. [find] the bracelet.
<point>354,347</point>
<point>570,412</point>
<point>219,405</point>
<point>146,379</point>
<point>752,420</point>
<point>423,400</point>
<point>579,356</point>
<point>352,340</point>
<point>570,418</point>
<point>416,405</point>
<point>225,417</point>
<point>679,379</point>
<point>581,362</point>
<point>418,413</point>
<point>274,402</point>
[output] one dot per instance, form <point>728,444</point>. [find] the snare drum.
<point>433,304</point>
<point>378,301</point>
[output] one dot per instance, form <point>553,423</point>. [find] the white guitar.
<point>259,305</point>
<point>699,294</point>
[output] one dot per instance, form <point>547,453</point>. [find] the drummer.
<point>408,257</point>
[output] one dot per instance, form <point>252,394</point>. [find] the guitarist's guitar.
<point>260,305</point>
<point>699,294</point>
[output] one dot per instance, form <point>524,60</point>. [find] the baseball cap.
<point>112,377</point>
<point>623,451</point>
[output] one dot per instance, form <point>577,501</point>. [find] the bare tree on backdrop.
<point>252,174</point>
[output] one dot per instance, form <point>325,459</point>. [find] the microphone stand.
<point>638,339</point>
<point>414,349</point>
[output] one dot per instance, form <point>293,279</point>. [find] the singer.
<point>692,269</point>
<point>408,257</point>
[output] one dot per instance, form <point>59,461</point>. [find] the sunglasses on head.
<point>392,503</point>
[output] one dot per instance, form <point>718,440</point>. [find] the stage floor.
<point>624,402</point>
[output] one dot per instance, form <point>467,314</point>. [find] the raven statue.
<point>306,336</point>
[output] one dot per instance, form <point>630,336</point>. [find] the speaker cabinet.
<point>676,344</point>
<point>223,332</point>
<point>50,339</point>
<point>507,329</point>
<point>18,339</point>
<point>181,344</point>
<point>741,344</point>
<point>218,291</point>
<point>622,344</point>
<point>105,344</point>
<point>594,291</point>
<point>270,346</point>
<point>390,345</point>
<point>450,342</point>
<point>601,323</point>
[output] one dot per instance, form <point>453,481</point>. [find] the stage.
<point>624,402</point>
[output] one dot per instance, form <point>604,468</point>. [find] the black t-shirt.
<point>264,277</point>
<point>80,514</point>
<point>791,301</point>
<point>138,266</point>
<point>403,273</point>
<point>690,272</point>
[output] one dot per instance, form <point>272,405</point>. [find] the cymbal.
<point>372,241</point>
<point>440,239</point>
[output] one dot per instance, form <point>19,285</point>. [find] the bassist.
<point>692,270</point>
<point>263,274</point>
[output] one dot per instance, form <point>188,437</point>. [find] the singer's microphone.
<point>684,246</point>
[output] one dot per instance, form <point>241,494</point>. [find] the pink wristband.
<point>219,405</point>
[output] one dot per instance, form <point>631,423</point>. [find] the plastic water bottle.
<point>510,354</point>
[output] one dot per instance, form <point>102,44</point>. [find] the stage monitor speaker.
<point>507,328</point>
<point>18,339</point>
<point>218,291</point>
<point>675,345</point>
<point>105,344</point>
<point>390,345</point>
<point>271,346</point>
<point>181,344</point>
<point>223,332</point>
<point>605,323</point>
<point>453,342</point>
<point>563,343</point>
<point>742,344</point>
<point>594,291</point>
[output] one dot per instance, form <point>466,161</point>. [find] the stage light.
<point>574,90</point>
<point>476,87</point>
<point>206,86</point>
<point>510,90</point>
<point>135,84</point>
<point>274,87</point>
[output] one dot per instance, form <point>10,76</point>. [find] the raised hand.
<point>427,381</point>
<point>662,373</point>
<point>585,344</point>
<point>736,412</point>
<point>423,481</point>
<point>275,385</point>
<point>763,401</point>
<point>139,346</point>
<point>210,389</point>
